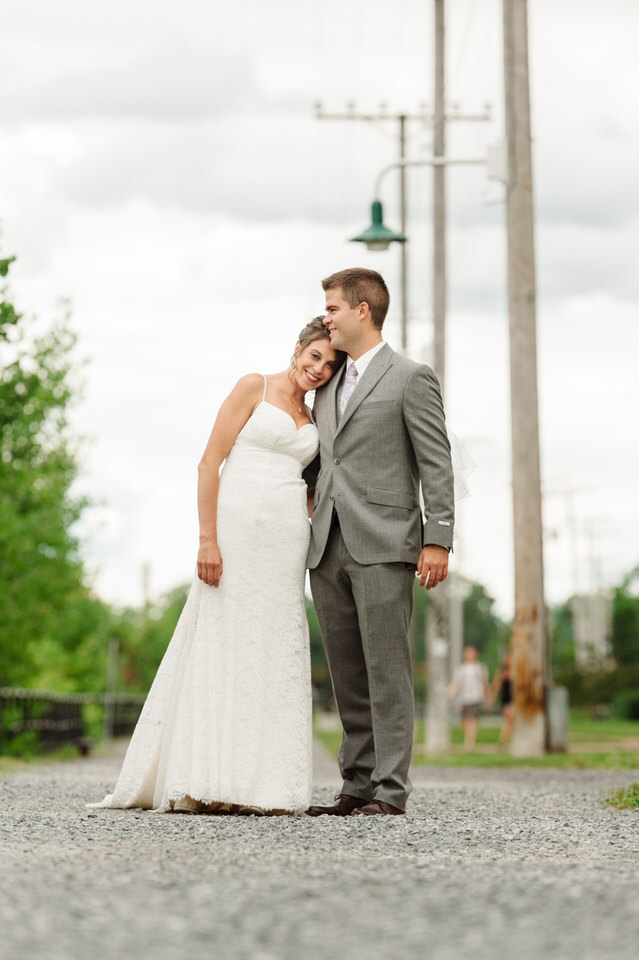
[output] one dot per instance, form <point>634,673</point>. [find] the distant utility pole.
<point>438,615</point>
<point>402,120</point>
<point>529,636</point>
<point>439,201</point>
<point>442,632</point>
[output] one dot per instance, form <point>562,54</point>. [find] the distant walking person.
<point>382,435</point>
<point>502,689</point>
<point>470,684</point>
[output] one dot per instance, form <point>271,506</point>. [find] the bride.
<point>226,727</point>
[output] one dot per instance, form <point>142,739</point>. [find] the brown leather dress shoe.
<point>376,807</point>
<point>344,806</point>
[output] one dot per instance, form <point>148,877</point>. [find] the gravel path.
<point>487,863</point>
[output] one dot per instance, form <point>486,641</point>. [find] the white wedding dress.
<point>228,718</point>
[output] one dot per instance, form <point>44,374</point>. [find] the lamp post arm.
<point>424,162</point>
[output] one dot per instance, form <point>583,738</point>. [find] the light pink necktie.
<point>348,386</point>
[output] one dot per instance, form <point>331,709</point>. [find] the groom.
<point>382,434</point>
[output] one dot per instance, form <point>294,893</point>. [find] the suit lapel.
<point>374,372</point>
<point>329,402</point>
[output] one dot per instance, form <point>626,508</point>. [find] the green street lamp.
<point>377,236</point>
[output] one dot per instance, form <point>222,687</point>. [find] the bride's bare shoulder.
<point>249,384</point>
<point>251,380</point>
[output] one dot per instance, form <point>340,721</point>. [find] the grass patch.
<point>608,744</point>
<point>624,798</point>
<point>583,727</point>
<point>612,760</point>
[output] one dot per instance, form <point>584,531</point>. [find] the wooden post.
<point>437,625</point>
<point>529,638</point>
<point>439,202</point>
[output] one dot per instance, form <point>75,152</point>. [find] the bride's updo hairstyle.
<point>315,330</point>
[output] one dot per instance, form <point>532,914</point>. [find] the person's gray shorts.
<point>470,710</point>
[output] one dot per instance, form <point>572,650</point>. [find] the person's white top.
<point>471,678</point>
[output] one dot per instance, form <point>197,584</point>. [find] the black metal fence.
<point>32,720</point>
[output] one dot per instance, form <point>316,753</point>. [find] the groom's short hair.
<point>360,285</point>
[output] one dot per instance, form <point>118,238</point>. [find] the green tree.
<point>617,683</point>
<point>47,613</point>
<point>483,628</point>
<point>144,634</point>
<point>625,621</point>
<point>562,637</point>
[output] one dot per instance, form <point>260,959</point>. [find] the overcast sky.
<point>162,167</point>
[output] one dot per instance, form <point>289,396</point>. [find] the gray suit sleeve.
<point>426,425</point>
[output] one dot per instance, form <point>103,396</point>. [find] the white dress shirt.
<point>362,362</point>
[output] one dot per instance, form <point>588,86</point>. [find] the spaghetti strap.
<point>265,385</point>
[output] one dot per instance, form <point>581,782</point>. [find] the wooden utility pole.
<point>439,202</point>
<point>437,625</point>
<point>529,637</point>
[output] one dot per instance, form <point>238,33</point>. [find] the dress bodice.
<point>270,436</point>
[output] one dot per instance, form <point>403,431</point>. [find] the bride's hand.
<point>209,564</point>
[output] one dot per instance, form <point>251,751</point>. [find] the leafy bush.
<point>596,688</point>
<point>626,705</point>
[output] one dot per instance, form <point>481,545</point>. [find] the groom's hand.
<point>432,566</point>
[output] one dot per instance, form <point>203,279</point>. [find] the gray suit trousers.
<point>364,613</point>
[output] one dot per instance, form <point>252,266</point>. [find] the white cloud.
<point>162,167</point>
<point>174,79</point>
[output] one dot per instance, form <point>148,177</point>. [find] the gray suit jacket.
<point>391,437</point>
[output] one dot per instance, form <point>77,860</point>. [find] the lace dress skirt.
<point>228,718</point>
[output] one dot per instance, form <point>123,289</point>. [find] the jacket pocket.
<point>390,498</point>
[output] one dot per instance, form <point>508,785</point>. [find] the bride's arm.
<point>310,497</point>
<point>232,416</point>
<point>310,475</point>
